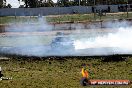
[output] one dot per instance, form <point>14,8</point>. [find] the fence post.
<point>94,10</point>
<point>59,15</point>
<point>15,17</point>
<point>127,8</point>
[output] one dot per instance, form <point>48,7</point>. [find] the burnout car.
<point>62,42</point>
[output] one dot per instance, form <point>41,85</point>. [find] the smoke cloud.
<point>87,43</point>
<point>119,42</point>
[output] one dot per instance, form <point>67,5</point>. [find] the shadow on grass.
<point>115,58</point>
<point>109,58</point>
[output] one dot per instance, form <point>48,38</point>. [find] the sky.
<point>16,4</point>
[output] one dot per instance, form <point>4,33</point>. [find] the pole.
<point>94,10</point>
<point>79,3</point>
<point>59,15</point>
<point>127,8</point>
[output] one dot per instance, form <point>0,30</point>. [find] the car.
<point>62,42</point>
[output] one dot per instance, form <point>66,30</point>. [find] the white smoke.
<point>26,42</point>
<point>38,25</point>
<point>88,43</point>
<point>112,43</point>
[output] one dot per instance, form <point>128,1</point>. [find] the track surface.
<point>47,50</point>
<point>54,32</point>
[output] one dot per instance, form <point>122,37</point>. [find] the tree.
<point>30,3</point>
<point>21,6</point>
<point>66,3</point>
<point>8,6</point>
<point>38,3</point>
<point>48,3</point>
<point>2,3</point>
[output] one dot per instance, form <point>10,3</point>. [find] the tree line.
<point>3,4</point>
<point>65,3</point>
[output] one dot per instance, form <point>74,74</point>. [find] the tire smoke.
<point>119,42</point>
<point>81,42</point>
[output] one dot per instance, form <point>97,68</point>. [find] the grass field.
<point>62,73</point>
<point>67,18</point>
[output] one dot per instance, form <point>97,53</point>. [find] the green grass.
<point>7,19</point>
<point>51,73</point>
<point>88,17</point>
<point>66,18</point>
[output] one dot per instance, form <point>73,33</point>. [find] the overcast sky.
<point>16,4</point>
